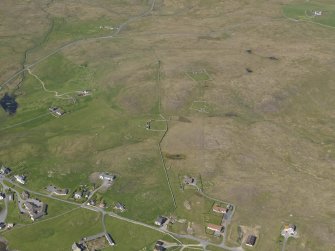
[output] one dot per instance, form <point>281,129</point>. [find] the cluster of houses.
<point>226,215</point>
<point>95,242</point>
<point>19,178</point>
<point>37,209</point>
<point>9,195</point>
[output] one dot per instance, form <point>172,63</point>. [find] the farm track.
<point>57,95</point>
<point>75,42</point>
<point>36,45</point>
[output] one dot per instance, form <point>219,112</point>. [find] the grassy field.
<point>305,11</point>
<point>132,237</point>
<point>58,233</point>
<point>248,98</point>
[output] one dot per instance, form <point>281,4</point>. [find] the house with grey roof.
<point>35,208</point>
<point>160,220</point>
<point>251,240</point>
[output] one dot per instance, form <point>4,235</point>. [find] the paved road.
<point>19,199</point>
<point>4,211</point>
<point>284,243</point>
<point>286,237</point>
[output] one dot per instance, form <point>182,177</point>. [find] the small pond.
<point>9,104</point>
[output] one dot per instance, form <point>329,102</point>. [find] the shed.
<point>160,220</point>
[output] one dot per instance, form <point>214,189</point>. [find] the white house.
<point>20,179</point>
<point>106,176</point>
<point>290,229</point>
<point>78,195</point>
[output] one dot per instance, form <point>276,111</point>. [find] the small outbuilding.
<point>160,221</point>
<point>56,111</point>
<point>119,206</point>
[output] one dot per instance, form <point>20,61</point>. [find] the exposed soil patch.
<point>183,119</point>
<point>274,58</point>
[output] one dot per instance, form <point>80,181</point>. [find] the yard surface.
<point>240,95</point>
